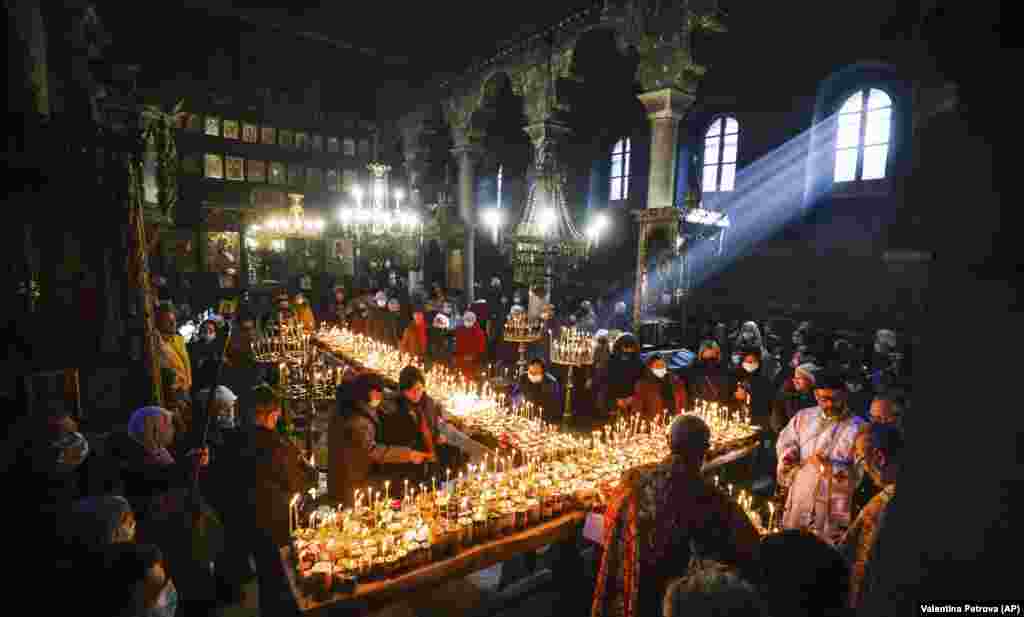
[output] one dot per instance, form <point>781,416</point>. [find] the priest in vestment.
<point>817,466</point>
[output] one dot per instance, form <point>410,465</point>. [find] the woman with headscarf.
<point>149,470</point>
<point>100,521</point>
<point>414,339</point>
<point>749,337</point>
<point>470,347</point>
<point>204,353</point>
<point>437,341</point>
<point>624,369</point>
<point>797,393</point>
<point>658,391</point>
<point>706,378</point>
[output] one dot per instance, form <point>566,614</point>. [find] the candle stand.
<point>523,341</point>
<point>572,349</point>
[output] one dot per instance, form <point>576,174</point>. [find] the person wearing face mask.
<point>97,522</point>
<point>796,394</point>
<point>204,353</point>
<point>541,389</point>
<point>338,309</point>
<point>437,341</point>
<point>392,324</point>
<point>706,378</point>
<point>817,471</point>
<point>624,369</point>
<point>470,347</point>
<point>658,390</point>
<point>222,410</point>
<point>303,312</point>
<point>361,455</point>
<point>378,316</point>
<point>360,321</point>
<point>414,338</point>
<point>759,386</point>
<point>134,583</point>
<point>882,460</point>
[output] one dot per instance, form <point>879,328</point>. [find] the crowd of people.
<point>190,500</point>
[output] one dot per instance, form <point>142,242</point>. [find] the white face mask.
<point>535,378</point>
<point>381,303</point>
<point>750,367</point>
<point>659,372</point>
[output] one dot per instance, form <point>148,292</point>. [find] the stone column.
<point>467,154</point>
<point>665,108</point>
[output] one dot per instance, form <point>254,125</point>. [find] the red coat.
<point>470,347</point>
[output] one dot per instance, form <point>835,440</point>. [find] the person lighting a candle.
<point>361,454</point>
<point>470,346</point>
<point>541,389</point>
<point>817,470</point>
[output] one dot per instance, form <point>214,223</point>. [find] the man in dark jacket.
<point>624,369</point>
<point>252,487</point>
<point>541,389</point>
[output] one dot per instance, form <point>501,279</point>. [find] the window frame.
<point>858,184</point>
<point>719,164</point>
<point>624,169</point>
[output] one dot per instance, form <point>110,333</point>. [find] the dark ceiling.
<point>428,37</point>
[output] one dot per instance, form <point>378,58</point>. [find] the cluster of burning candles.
<point>403,527</point>
<point>288,346</point>
<point>519,327</point>
<point>310,381</point>
<point>573,347</point>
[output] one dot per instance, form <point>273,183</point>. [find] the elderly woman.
<point>414,339</point>
<point>438,350</point>
<point>707,379</point>
<point>149,470</point>
<point>470,347</point>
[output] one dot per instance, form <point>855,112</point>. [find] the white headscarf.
<point>153,428</point>
<point>441,321</point>
<point>469,318</point>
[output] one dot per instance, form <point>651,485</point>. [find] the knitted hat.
<point>808,370</point>
<point>469,318</point>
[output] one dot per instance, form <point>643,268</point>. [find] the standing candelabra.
<point>572,348</point>
<point>519,329</point>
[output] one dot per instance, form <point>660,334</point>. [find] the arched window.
<point>500,174</point>
<point>620,171</point>
<point>862,136</point>
<point>721,144</point>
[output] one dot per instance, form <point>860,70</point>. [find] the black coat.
<point>623,373</point>
<point>709,382</point>
<point>545,396</point>
<point>762,392</point>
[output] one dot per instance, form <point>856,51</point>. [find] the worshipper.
<point>551,328</point>
<point>541,389</point>
<point>338,310</point>
<point>882,463</point>
<point>620,320</point>
<point>758,386</point>
<point>470,347</point>
<point>801,575</point>
<point>204,353</point>
<point>587,321</point>
<point>303,312</point>
<point>749,338</point>
<point>624,369</point>
<point>174,358</point>
<point>711,589</point>
<point>817,469</point>
<point>859,392</point>
<point>361,456</point>
<point>413,410</point>
<point>598,382</point>
<point>797,393</point>
<point>663,515</point>
<point>97,522</point>
<point>885,410</point>
<point>223,412</point>
<point>378,313</point>
<point>258,473</point>
<point>241,373</point>
<point>392,324</point>
<point>657,390</point>
<point>359,322</point>
<point>497,303</point>
<point>414,339</point>
<point>706,378</point>
<point>134,582</point>
<point>437,342</point>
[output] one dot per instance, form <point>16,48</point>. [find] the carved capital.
<point>666,103</point>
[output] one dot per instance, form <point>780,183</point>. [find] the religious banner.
<point>213,126</point>
<point>235,168</point>
<point>214,166</point>
<point>231,129</point>
<point>250,133</point>
<point>343,249</point>
<point>256,171</point>
<point>267,136</point>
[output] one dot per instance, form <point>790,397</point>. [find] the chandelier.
<point>381,213</point>
<point>295,224</point>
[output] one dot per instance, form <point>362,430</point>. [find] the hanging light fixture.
<point>378,211</point>
<point>294,224</point>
